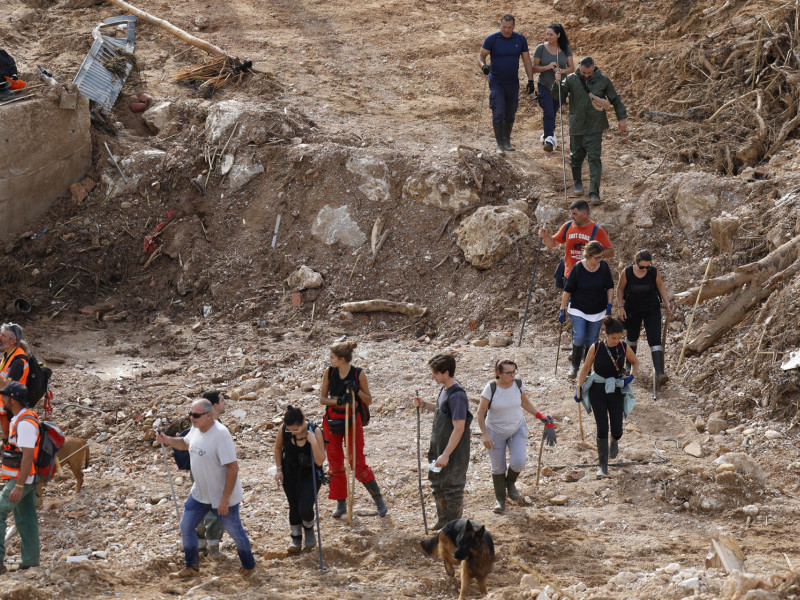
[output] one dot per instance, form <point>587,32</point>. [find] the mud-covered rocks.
<point>434,190</point>
<point>158,117</point>
<point>336,225</point>
<point>490,233</point>
<point>305,278</point>
<point>242,174</point>
<point>745,466</point>
<point>698,196</point>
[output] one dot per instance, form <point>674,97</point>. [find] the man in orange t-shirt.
<point>576,236</point>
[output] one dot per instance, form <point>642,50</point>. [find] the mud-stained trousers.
<point>448,485</point>
<point>591,145</point>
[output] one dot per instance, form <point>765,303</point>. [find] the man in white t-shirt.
<point>18,471</point>
<point>216,488</point>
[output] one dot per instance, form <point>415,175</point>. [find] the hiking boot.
<point>499,482</point>
<point>507,127</point>
<point>185,573</point>
<point>441,512</point>
<point>375,492</point>
<point>602,457</point>
<point>341,508</point>
<point>577,184</point>
<point>594,199</point>
<point>632,346</point>
<point>499,136</point>
<point>613,449</point>
<point>511,479</point>
<point>213,552</point>
<point>577,355</point>
<point>658,366</point>
<point>550,143</point>
<point>309,539</point>
<point>245,572</point>
<point>297,539</point>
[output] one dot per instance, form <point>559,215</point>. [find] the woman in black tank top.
<point>606,359</point>
<point>640,293</point>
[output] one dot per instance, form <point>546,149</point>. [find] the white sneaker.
<point>550,143</point>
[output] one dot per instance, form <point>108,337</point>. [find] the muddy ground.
<point>384,92</point>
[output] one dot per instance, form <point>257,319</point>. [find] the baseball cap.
<point>16,390</point>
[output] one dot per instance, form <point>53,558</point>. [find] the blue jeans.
<point>549,107</point>
<point>503,100</point>
<point>517,449</point>
<point>584,333</point>
<point>193,514</point>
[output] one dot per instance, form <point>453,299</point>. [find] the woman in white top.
<point>503,426</point>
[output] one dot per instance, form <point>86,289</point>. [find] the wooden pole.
<point>347,462</point>
<point>694,310</point>
<point>539,467</point>
<point>580,419</point>
<point>353,454</point>
<point>167,26</point>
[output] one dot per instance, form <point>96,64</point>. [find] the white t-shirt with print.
<point>27,433</point>
<point>209,453</point>
<point>505,413</point>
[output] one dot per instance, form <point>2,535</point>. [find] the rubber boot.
<point>441,512</point>
<point>455,506</point>
<point>499,482</point>
<point>594,199</point>
<point>658,366</point>
<point>511,479</point>
<point>602,457</point>
<point>577,355</point>
<point>341,508</point>
<point>375,492</point>
<point>613,448</point>
<point>309,539</point>
<point>297,539</point>
<point>632,346</point>
<point>577,184</point>
<point>507,127</point>
<point>499,136</point>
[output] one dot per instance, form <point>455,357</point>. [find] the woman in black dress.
<point>607,387</point>
<point>640,294</point>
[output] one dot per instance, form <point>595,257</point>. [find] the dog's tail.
<point>430,545</point>
<point>86,460</point>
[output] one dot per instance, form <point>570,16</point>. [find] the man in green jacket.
<point>588,121</point>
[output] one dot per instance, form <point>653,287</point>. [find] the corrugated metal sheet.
<point>95,81</point>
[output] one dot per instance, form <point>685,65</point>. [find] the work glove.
<point>609,306</point>
<point>627,380</point>
<point>578,396</point>
<point>349,385</point>
<point>530,88</point>
<point>562,315</point>
<point>344,399</point>
<point>486,69</point>
<point>549,428</point>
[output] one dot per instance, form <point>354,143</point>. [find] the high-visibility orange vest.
<point>11,449</point>
<point>18,351</point>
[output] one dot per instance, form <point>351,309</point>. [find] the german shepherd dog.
<point>466,542</point>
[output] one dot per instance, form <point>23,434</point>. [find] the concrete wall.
<point>43,150</point>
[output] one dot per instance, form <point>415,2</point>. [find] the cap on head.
<point>17,391</point>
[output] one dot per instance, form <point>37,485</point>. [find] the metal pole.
<point>316,506</point>
<point>558,351</point>
<point>530,290</point>
<point>347,462</point>
<point>419,470</point>
<point>353,453</point>
<point>171,483</point>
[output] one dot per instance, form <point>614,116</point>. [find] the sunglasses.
<point>508,372</point>
<point>647,268</point>
<point>597,257</point>
<point>197,415</point>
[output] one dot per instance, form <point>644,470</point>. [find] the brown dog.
<point>466,542</point>
<point>75,452</point>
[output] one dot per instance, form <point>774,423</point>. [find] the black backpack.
<point>559,274</point>
<point>38,379</point>
<point>8,68</point>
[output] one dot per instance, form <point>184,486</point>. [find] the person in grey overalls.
<point>450,436</point>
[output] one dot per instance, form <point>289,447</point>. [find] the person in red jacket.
<point>337,382</point>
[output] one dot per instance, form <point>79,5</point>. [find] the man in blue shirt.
<point>505,48</point>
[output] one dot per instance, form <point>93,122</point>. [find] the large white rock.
<point>446,194</point>
<point>157,117</point>
<point>698,197</point>
<point>255,123</point>
<point>610,215</point>
<point>744,464</point>
<point>373,172</point>
<point>241,175</point>
<point>336,225</point>
<point>489,234</point>
<point>304,278</point>
<point>551,214</point>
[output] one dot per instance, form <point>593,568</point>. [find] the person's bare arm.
<point>363,389</point>
<point>526,62</point>
<point>324,399</point>
<point>570,66</point>
<point>24,470</point>
<point>587,366</point>
<point>662,290</point>
<point>482,57</point>
<point>623,283</point>
<point>231,473</point>
<point>455,437</point>
<point>483,407</point>
<point>420,403</point>
<point>317,441</point>
<point>178,443</point>
<point>279,457</point>
<point>548,239</point>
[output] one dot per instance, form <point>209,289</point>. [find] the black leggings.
<point>652,326</point>
<point>605,407</point>
<point>299,490</point>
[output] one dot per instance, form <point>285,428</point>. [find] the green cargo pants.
<point>592,145</point>
<point>26,520</point>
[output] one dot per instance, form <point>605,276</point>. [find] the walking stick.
<point>580,420</point>
<point>561,115</point>
<point>347,463</point>
<point>694,310</point>
<point>558,351</point>
<point>316,507</point>
<point>354,454</point>
<point>539,467</point>
<point>171,483</point>
<point>530,290</point>
<point>419,471</point>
